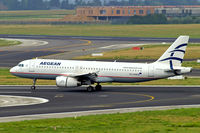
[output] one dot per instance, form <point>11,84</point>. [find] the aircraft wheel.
<point>90,89</point>
<point>98,87</point>
<point>33,87</point>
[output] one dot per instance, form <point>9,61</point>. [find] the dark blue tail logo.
<point>171,58</point>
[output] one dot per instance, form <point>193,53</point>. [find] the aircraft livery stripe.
<point>68,75</point>
<point>173,58</point>
<point>177,50</point>
<point>182,45</point>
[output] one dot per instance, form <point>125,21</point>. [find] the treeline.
<point>156,19</point>
<point>65,4</point>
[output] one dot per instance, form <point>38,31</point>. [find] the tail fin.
<point>175,53</point>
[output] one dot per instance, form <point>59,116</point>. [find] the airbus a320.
<point>74,73</point>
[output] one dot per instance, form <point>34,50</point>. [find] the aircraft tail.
<point>175,53</point>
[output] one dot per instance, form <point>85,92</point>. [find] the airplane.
<point>75,73</point>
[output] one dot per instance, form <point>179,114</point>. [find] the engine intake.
<point>62,81</point>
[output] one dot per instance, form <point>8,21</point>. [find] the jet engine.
<point>62,81</point>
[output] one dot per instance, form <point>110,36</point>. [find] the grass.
<point>149,52</point>
<point>8,43</point>
<point>33,15</point>
<point>105,30</point>
<point>192,64</point>
<point>8,79</point>
<point>175,121</point>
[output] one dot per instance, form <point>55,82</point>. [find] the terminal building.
<point>109,12</point>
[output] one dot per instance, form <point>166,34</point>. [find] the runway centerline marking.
<point>171,99</point>
<point>151,98</point>
<point>122,103</point>
<point>58,47</point>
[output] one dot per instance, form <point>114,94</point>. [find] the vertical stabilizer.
<point>175,53</point>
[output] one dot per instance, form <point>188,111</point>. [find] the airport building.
<point>109,12</point>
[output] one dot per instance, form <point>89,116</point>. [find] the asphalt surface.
<point>72,46</point>
<point>78,99</point>
<point>96,38</point>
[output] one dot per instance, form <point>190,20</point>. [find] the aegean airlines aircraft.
<point>71,73</point>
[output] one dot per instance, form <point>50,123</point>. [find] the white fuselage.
<point>106,71</point>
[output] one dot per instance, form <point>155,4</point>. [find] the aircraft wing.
<point>83,76</point>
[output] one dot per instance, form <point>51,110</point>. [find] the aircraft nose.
<point>12,70</point>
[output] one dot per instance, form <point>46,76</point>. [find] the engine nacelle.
<point>62,81</point>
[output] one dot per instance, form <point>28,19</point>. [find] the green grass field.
<point>33,15</point>
<point>149,52</point>
<point>105,30</point>
<point>173,121</point>
<point>8,43</point>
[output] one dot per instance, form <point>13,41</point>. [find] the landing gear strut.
<point>98,87</point>
<point>33,86</point>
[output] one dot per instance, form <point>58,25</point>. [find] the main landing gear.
<point>33,86</point>
<point>98,87</point>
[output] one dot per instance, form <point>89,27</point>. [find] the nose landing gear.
<point>33,86</point>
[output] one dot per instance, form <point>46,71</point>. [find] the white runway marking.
<point>8,101</point>
<point>119,46</point>
<point>28,42</point>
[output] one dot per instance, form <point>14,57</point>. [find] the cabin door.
<point>151,71</point>
<point>32,66</point>
<point>78,69</point>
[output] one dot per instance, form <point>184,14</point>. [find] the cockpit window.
<point>21,65</point>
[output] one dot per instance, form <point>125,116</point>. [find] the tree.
<point>149,19</point>
<point>12,4</point>
<point>32,5</point>
<point>97,2</point>
<point>55,3</point>
<point>64,4</point>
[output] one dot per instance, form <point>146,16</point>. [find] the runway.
<point>78,99</point>
<point>95,38</point>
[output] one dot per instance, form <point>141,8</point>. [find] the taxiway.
<point>77,99</point>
